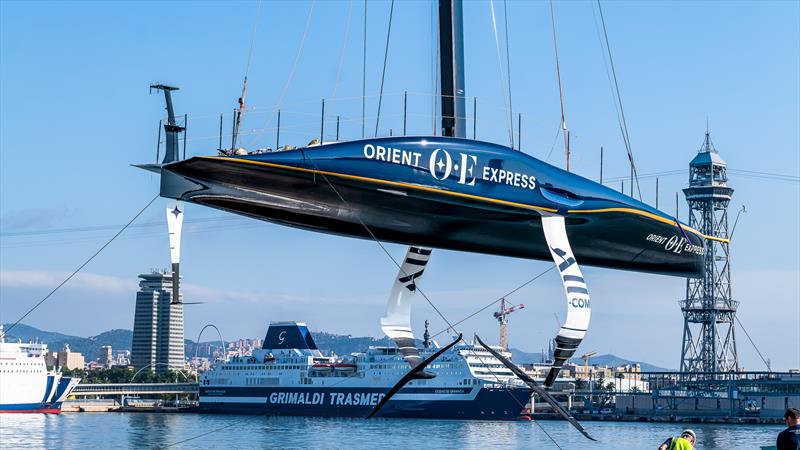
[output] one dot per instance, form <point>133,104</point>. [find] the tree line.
<point>124,375</point>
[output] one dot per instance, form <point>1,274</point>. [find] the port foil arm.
<point>543,394</point>
<point>174,226</point>
<point>397,321</point>
<point>415,373</point>
<point>578,310</point>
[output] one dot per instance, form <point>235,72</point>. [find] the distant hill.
<point>614,360</point>
<point>89,347</point>
<point>344,345</point>
<point>121,340</point>
<point>521,357</point>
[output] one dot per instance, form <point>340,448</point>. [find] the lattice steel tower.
<point>709,341</point>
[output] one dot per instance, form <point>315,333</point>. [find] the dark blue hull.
<point>430,403</point>
<point>486,199</point>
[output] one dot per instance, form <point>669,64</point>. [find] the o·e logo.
<point>441,164</point>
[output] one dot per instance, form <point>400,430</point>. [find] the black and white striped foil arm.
<point>397,321</point>
<point>578,309</point>
<point>543,394</point>
<point>416,372</point>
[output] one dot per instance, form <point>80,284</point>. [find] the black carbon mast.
<point>451,54</point>
<point>451,60</point>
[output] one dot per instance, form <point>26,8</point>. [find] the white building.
<point>157,325</point>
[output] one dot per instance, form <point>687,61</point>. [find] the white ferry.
<point>26,386</point>
<point>290,376</point>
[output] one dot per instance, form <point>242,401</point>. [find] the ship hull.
<point>31,408</point>
<point>336,189</point>
<point>421,403</point>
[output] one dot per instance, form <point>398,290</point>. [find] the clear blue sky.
<point>75,113</point>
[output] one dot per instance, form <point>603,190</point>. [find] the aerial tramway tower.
<point>709,341</point>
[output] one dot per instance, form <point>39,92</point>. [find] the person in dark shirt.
<point>789,439</point>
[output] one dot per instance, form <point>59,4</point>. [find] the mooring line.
<point>82,265</point>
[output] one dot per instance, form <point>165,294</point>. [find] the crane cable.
<point>621,116</point>
<point>502,76</point>
<point>383,72</point>
<point>560,89</point>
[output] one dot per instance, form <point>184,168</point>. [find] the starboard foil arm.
<point>397,322</point>
<point>415,373</point>
<point>543,394</point>
<point>174,225</point>
<point>578,309</point>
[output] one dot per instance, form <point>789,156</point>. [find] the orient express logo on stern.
<point>676,244</point>
<point>441,165</point>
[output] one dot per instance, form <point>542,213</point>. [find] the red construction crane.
<point>501,317</point>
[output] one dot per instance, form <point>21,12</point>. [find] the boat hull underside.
<point>410,216</point>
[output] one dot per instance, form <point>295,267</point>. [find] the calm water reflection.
<point>134,430</point>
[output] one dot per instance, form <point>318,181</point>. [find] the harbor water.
<point>194,431</point>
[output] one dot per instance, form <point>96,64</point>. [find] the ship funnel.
<point>171,128</point>
<point>288,335</point>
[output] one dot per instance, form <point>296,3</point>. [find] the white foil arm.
<point>578,308</point>
<point>397,321</point>
<point>174,225</point>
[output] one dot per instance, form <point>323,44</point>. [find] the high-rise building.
<point>106,356</point>
<point>158,325</point>
<point>709,341</point>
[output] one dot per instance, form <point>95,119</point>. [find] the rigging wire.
<point>502,76</point>
<point>418,289</point>
<point>364,77</point>
<point>383,72</point>
<point>22,234</point>
<point>769,369</point>
<point>295,63</point>
<point>436,64</point>
<point>252,40</point>
<point>507,294</point>
<point>553,145</point>
<point>240,114</point>
<point>342,53</point>
<point>624,123</point>
<point>560,89</point>
<point>19,239</point>
<point>75,272</point>
<point>508,68</point>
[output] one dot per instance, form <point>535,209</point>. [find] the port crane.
<point>502,317</point>
<point>586,357</point>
